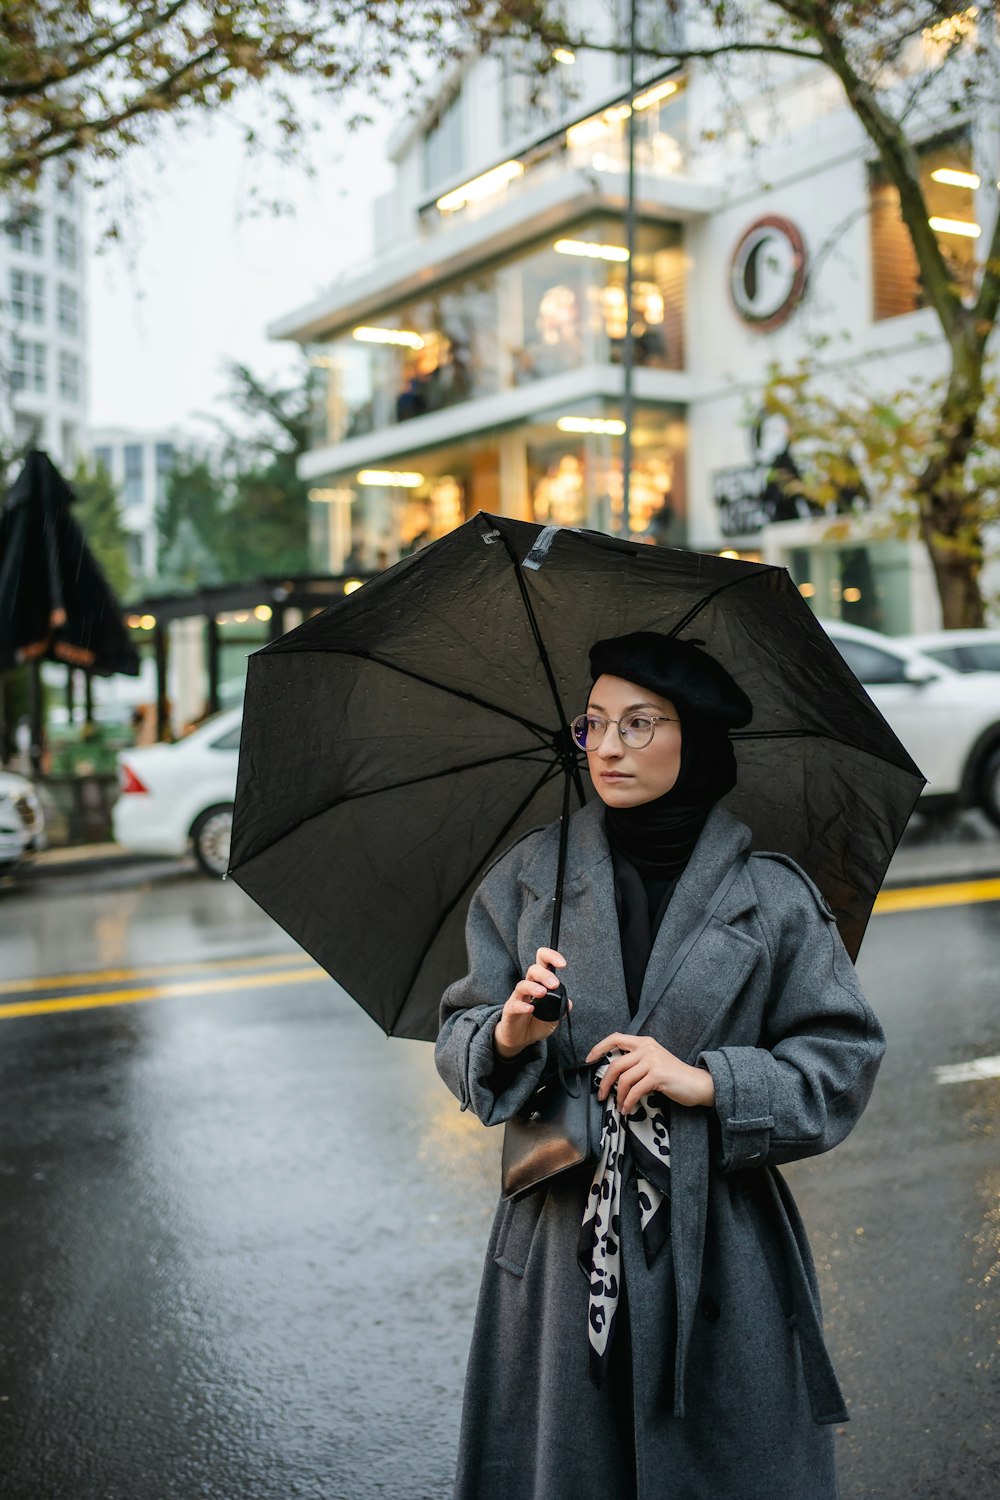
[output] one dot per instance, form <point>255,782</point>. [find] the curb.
<point>90,858</point>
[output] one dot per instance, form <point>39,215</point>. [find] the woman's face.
<point>624,777</point>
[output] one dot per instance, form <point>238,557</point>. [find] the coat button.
<point>710,1308</point>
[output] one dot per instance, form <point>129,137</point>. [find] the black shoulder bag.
<point>560,1125</point>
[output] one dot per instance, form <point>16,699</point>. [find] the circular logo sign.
<point>768,273</point>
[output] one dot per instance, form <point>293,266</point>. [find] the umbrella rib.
<point>540,644</point>
<point>819,734</point>
<point>550,771</point>
<point>696,609</point>
<point>544,734</point>
<point>395,786</point>
<point>472,765</point>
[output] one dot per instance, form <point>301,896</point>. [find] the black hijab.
<point>657,837</point>
<point>652,843</point>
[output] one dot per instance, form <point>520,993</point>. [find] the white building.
<point>43,318</point>
<point>475,361</point>
<point>139,464</point>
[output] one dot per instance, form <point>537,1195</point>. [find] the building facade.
<point>43,318</point>
<point>475,362</point>
<point>139,464</point>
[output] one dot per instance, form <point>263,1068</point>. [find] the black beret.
<point>674,669</point>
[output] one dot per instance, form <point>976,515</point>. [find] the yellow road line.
<point>115,976</point>
<point>100,999</point>
<point>918,898</point>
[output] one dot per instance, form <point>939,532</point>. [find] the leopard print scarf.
<point>646,1135</point>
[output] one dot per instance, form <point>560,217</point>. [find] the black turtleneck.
<point>652,843</point>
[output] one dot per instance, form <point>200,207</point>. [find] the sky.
<point>196,279</point>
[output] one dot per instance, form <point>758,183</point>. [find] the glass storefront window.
<point>536,471</point>
<point>578,481</point>
<point>558,307</point>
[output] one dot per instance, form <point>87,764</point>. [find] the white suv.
<point>949,721</point>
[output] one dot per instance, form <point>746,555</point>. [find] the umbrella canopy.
<point>55,601</point>
<point>394,745</point>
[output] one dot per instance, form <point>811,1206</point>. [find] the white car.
<point>22,823</point>
<point>176,797</point>
<point>949,721</point>
<point>963,650</point>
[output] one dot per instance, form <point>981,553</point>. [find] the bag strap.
<point>681,953</point>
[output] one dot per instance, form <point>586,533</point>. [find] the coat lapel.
<point>716,969</point>
<point>711,976</point>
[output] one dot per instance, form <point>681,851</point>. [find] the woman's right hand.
<point>518,1027</point>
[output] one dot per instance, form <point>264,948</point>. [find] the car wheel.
<point>210,838</point>
<point>989,786</point>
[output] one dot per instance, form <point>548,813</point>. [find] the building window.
<point>165,457</point>
<point>27,365</point>
<point>66,243</point>
<point>133,492</point>
<point>24,231</point>
<point>949,184</point>
<point>68,309</point>
<point>443,141</point>
<point>69,375</point>
<point>556,308</point>
<point>102,458</point>
<point>27,297</point>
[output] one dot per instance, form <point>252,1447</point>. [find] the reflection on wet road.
<point>241,1232</point>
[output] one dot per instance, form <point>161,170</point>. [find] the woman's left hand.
<point>647,1068</point>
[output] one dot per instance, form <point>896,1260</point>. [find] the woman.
<point>698,1369</point>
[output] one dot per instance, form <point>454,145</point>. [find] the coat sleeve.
<point>466,1059</point>
<point>802,1090</point>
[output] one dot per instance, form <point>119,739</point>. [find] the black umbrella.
<point>394,745</point>
<point>55,601</point>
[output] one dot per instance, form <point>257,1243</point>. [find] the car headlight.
<point>26,808</point>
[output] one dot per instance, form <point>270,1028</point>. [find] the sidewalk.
<point>80,858</point>
<point>963,847</point>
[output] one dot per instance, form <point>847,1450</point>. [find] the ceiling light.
<point>480,187</point>
<point>352,585</point>
<point>147,622</point>
<point>652,96</point>
<point>954,178</point>
<point>403,479</point>
<point>262,612</point>
<point>563,55</point>
<point>852,596</point>
<point>606,426</point>
<point>590,250</point>
<point>807,590</point>
<point>402,336</point>
<point>955,226</point>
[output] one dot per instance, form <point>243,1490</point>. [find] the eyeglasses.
<point>636,730</point>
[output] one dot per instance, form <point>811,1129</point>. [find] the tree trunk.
<point>956,573</point>
<point>949,524</point>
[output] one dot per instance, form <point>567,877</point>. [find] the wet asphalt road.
<point>241,1232</point>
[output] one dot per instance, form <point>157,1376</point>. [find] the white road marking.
<point>969,1072</point>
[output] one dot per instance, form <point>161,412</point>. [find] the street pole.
<point>628,402</point>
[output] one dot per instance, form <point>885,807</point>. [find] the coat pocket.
<point>518,1220</point>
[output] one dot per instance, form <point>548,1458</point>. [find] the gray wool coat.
<point>733,1388</point>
